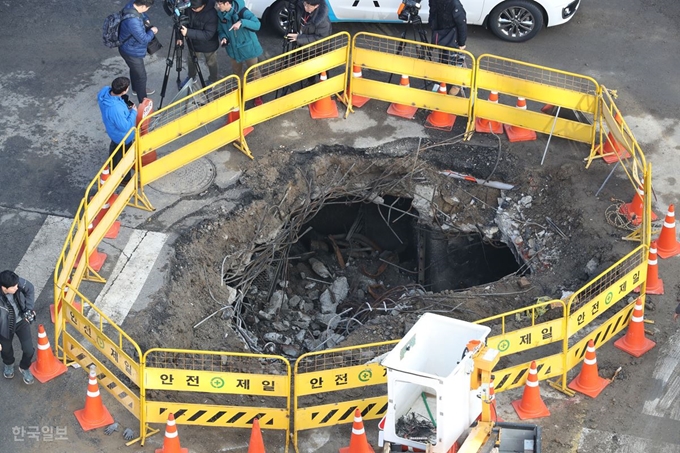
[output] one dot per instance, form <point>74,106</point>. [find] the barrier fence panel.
<point>541,85</point>
<point>328,375</point>
<point>182,377</point>
<point>384,57</point>
<point>172,125</point>
<point>282,77</point>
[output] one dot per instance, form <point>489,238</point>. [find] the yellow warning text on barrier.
<point>527,338</point>
<point>340,379</point>
<point>215,382</point>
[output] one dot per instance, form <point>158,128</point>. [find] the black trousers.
<point>23,331</point>
<point>137,74</point>
<point>118,156</point>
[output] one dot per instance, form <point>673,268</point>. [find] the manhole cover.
<point>191,179</point>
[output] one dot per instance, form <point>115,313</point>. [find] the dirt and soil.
<point>287,188</point>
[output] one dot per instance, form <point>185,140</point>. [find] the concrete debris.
<point>319,268</point>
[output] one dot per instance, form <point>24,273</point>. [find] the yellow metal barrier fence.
<point>542,86</point>
<point>383,57</point>
<point>222,375</point>
<point>328,374</point>
<point>282,77</point>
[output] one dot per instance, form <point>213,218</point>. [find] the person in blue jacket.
<point>135,34</point>
<point>118,116</point>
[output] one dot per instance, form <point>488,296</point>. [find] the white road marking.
<point>596,441</point>
<point>130,273</point>
<point>37,264</point>
<point>667,372</point>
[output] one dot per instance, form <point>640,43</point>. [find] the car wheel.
<point>516,20</point>
<point>279,16</point>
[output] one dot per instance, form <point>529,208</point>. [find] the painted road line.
<point>666,402</point>
<point>130,273</point>
<point>37,264</point>
<point>596,441</point>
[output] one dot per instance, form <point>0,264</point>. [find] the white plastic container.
<point>432,361</point>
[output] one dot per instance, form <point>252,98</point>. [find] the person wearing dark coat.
<point>17,311</point>
<point>313,22</point>
<point>448,22</point>
<point>201,34</point>
<point>135,37</point>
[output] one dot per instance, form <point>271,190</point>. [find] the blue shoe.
<point>28,376</point>
<point>8,371</point>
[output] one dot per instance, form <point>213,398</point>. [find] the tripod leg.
<point>194,59</point>
<point>172,49</point>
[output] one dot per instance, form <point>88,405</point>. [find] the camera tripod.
<point>287,46</point>
<point>175,57</point>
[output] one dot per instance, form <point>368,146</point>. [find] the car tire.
<point>278,17</point>
<point>516,20</point>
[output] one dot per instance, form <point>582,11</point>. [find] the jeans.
<point>239,68</point>
<point>137,74</point>
<point>210,60</point>
<point>23,332</point>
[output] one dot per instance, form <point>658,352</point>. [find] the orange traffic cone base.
<point>541,410</point>
<point>519,134</point>
<point>593,390</point>
<point>612,154</point>
<point>669,253</point>
<point>323,108</point>
<point>347,449</point>
<point>359,101</point>
<point>248,130</point>
<point>628,211</point>
<point>403,111</point>
<point>55,368</point>
<point>486,127</point>
<point>440,120</point>
<point>181,450</point>
<point>88,425</point>
<point>655,288</point>
<point>636,350</point>
<point>75,304</point>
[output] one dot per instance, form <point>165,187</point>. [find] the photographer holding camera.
<point>200,30</point>
<point>17,299</point>
<point>448,22</point>
<point>135,34</point>
<point>313,22</point>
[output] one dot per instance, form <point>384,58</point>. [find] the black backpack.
<point>111,28</point>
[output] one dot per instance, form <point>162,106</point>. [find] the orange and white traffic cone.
<point>171,441</point>
<point>145,109</point>
<point>588,381</point>
<point>94,414</point>
<point>403,110</point>
<point>256,444</point>
<point>358,101</point>
<point>634,342</point>
<point>96,259</point>
<point>485,126</point>
<point>531,405</point>
<point>440,120</point>
<point>633,210</point>
<point>115,228</point>
<point>47,366</point>
<point>325,107</point>
<point>668,243</point>
<point>358,442</point>
<point>492,402</point>
<point>235,115</point>
<point>612,151</point>
<point>516,133</point>
<point>654,283</point>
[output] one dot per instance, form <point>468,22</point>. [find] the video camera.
<point>176,9</point>
<point>409,11</point>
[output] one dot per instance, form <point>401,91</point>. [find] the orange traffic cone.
<point>654,283</point>
<point>667,242</point>
<point>47,366</point>
<point>440,120</point>
<point>95,414</point>
<point>633,210</point>
<point>97,258</point>
<point>325,107</point>
<point>256,444</point>
<point>145,109</point>
<point>358,442</point>
<point>634,342</point>
<point>612,150</point>
<point>492,401</point>
<point>115,228</point>
<point>235,115</point>
<point>588,382</point>
<point>403,110</point>
<point>171,440</point>
<point>516,133</point>
<point>531,405</point>
<point>485,126</point>
<point>358,101</point>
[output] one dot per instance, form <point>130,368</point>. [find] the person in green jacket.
<point>236,30</point>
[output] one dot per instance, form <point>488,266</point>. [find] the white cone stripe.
<point>358,419</point>
<point>652,262</point>
<point>107,205</point>
<point>652,250</point>
<point>590,361</point>
<point>637,319</point>
<point>669,225</point>
<point>92,381</point>
<point>358,432</point>
<point>356,74</point>
<point>93,394</point>
<point>670,214</point>
<point>171,423</point>
<point>532,383</point>
<point>42,334</point>
<point>533,371</point>
<point>43,347</point>
<point>641,191</point>
<point>171,435</point>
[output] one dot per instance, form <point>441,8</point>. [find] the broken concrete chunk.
<point>523,283</point>
<point>277,338</point>
<point>327,304</point>
<point>319,268</point>
<point>340,289</point>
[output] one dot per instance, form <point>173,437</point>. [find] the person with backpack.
<point>135,34</point>
<point>448,21</point>
<point>17,312</point>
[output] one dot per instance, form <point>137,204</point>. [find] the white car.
<point>510,20</point>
